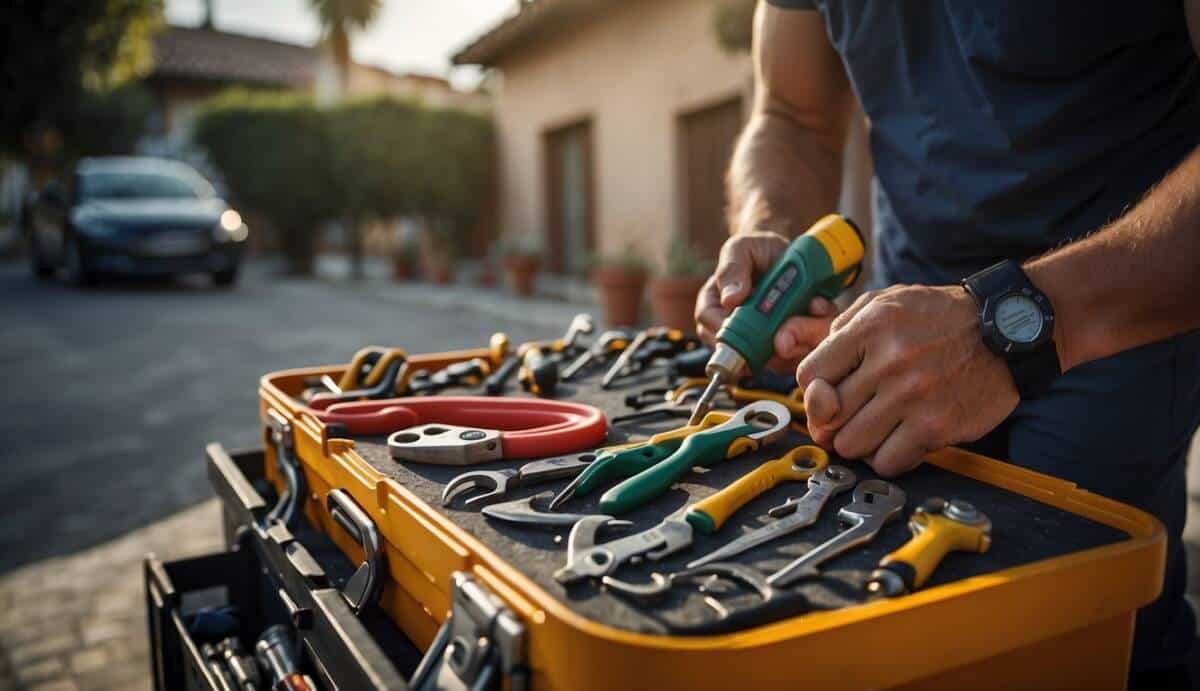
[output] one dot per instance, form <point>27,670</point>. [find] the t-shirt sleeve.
<point>793,4</point>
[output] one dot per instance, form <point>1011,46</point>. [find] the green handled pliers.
<point>755,425</point>
<point>628,460</point>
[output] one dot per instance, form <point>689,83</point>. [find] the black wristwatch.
<point>1017,322</point>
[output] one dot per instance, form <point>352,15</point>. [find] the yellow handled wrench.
<point>938,527</point>
<point>797,465</point>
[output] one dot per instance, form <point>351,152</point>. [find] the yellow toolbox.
<point>1051,605</point>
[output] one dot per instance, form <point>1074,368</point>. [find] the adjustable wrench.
<point>822,486</point>
<point>523,512</point>
<point>875,503</point>
<point>587,559</point>
<point>500,482</point>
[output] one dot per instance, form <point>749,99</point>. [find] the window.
<point>569,197</point>
<point>706,140</point>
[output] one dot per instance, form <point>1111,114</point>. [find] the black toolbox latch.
<point>480,643</point>
<point>287,508</point>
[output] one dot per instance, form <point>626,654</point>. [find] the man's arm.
<point>786,167</point>
<point>904,371</point>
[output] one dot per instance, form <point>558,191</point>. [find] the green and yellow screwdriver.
<point>823,261</point>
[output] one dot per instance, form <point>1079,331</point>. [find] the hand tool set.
<point>588,549</point>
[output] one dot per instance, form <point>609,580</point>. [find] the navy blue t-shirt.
<point>1001,129</point>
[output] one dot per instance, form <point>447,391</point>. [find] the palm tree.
<point>339,19</point>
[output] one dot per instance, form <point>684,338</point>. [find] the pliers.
<point>461,430</point>
<point>678,401</point>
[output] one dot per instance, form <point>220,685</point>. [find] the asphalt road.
<point>115,390</point>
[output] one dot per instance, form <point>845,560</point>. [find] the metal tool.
<point>759,424</point>
<point>671,406</point>
<point>363,364</point>
<point>823,261</point>
<point>609,342</point>
<point>677,401</point>
<point>241,665</point>
<point>622,364</point>
<point>501,482</point>
<point>587,559</point>
<point>800,513</point>
<point>466,373</point>
<point>464,430</point>
<point>689,363</point>
<point>385,387</point>
<point>629,460</point>
<point>874,504</point>
<point>773,604</point>
<point>799,464</point>
<point>276,652</point>
<point>580,324</point>
<point>523,512</point>
<point>538,373</point>
<point>938,527</point>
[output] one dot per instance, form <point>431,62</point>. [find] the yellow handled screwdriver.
<point>938,527</point>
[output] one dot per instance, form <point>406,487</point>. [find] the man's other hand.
<point>744,259</point>
<point>903,372</point>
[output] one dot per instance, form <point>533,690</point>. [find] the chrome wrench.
<point>875,503</point>
<point>587,559</point>
<point>800,513</point>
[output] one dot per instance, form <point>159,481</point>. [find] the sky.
<point>407,35</point>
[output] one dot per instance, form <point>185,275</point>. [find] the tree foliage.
<point>52,49</point>
<point>300,165</point>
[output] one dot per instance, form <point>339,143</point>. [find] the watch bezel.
<point>1004,346</point>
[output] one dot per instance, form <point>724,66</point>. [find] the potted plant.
<point>673,292</point>
<point>438,252</point>
<point>620,281</point>
<point>521,259</point>
<point>403,257</point>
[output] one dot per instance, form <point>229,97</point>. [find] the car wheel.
<point>77,271</point>
<point>37,262</point>
<point>225,279</point>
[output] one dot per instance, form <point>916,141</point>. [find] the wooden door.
<point>569,200</point>
<point>706,140</point>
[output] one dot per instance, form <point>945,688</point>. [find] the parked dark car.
<point>134,216</point>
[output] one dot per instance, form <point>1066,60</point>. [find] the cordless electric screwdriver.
<point>823,261</point>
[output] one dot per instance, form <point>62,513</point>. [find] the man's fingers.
<point>734,275</point>
<point>837,356</point>
<point>820,307</point>
<point>853,393</point>
<point>855,307</point>
<point>903,450</point>
<point>797,336</point>
<point>709,313</point>
<point>820,401</point>
<point>867,429</point>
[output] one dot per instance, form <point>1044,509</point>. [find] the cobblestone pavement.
<point>78,623</point>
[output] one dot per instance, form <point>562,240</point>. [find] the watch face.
<point>1019,318</point>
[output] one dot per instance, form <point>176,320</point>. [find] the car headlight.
<point>231,227</point>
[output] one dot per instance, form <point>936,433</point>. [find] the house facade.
<point>615,122</point>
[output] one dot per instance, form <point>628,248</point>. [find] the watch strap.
<point>1034,372</point>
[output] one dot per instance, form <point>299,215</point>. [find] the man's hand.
<point>745,257</point>
<point>904,372</point>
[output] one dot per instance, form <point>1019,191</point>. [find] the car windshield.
<point>141,185</point>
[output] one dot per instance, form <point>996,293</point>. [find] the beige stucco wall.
<point>632,72</point>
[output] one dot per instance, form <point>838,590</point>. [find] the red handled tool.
<point>463,430</point>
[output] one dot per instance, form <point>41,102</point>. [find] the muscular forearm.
<point>784,174</point>
<point>1134,282</point>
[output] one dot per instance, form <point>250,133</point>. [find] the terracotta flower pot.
<point>487,274</point>
<point>620,292</point>
<point>673,301</point>
<point>401,268</point>
<point>521,273</point>
<point>441,274</point>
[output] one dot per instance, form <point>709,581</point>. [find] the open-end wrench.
<point>501,482</point>
<point>524,512</point>
<point>875,503</point>
<point>613,341</point>
<point>586,559</point>
<point>823,485</point>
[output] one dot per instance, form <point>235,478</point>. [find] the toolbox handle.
<point>363,587</point>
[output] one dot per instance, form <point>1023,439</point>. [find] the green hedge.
<point>300,165</point>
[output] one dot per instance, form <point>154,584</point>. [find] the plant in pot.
<point>521,259</point>
<point>620,281</point>
<point>673,292</point>
<point>438,251</point>
<point>404,256</point>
